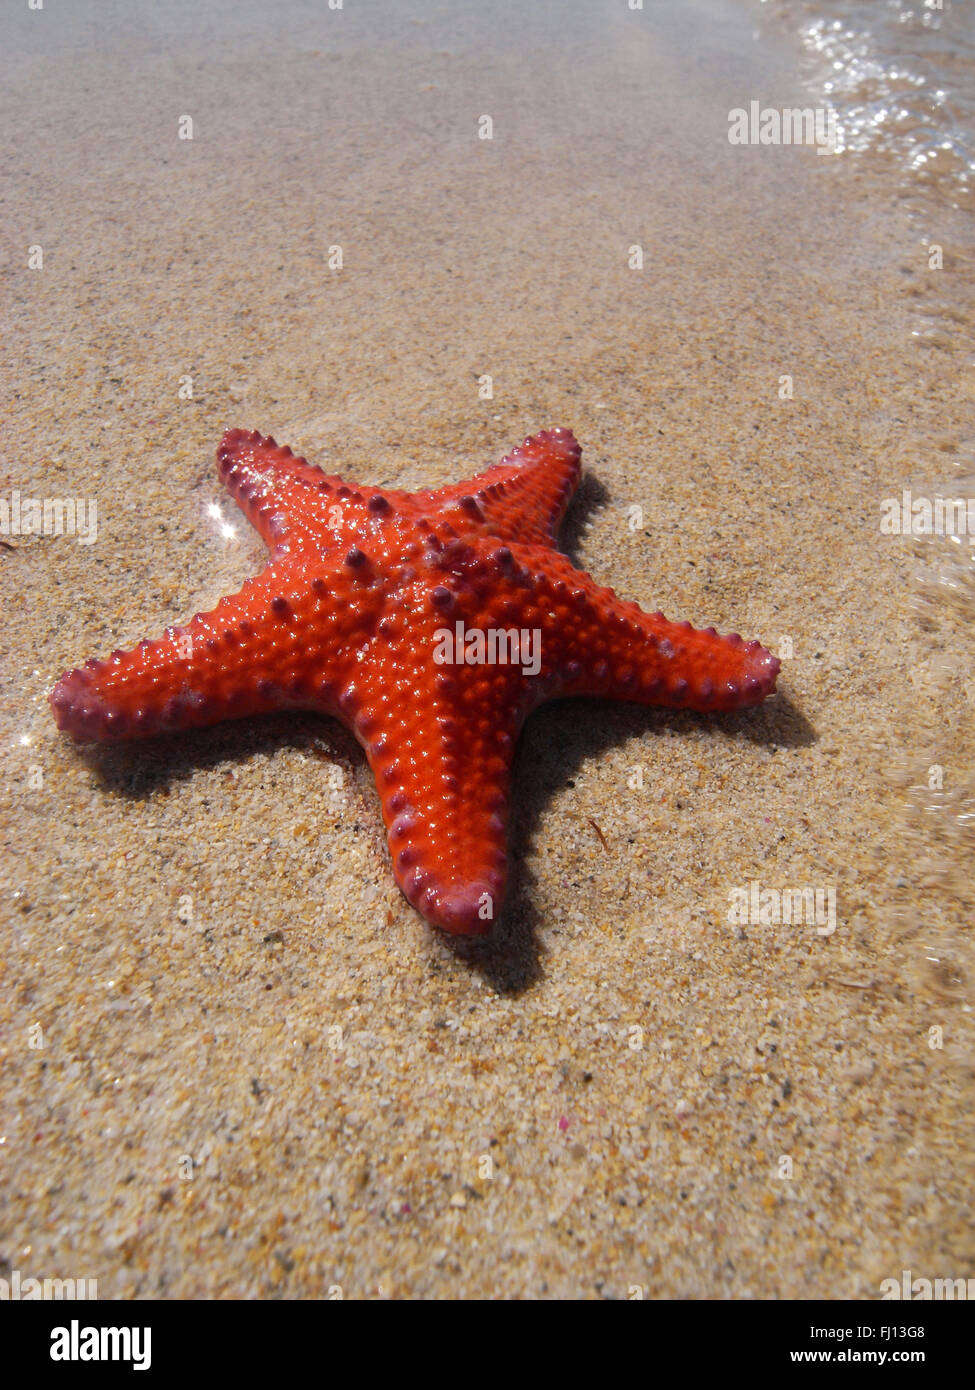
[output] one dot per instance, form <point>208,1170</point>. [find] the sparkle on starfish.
<point>346,620</point>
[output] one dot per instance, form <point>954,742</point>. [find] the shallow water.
<point>900,76</point>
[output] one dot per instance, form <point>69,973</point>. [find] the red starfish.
<point>431,624</point>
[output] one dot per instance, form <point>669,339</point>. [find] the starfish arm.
<point>441,750</point>
<point>594,643</point>
<point>524,497</point>
<point>289,501</point>
<point>257,651</point>
<point>272,486</point>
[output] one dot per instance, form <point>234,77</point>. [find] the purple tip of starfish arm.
<point>467,909</point>
<point>761,670</point>
<point>77,707</point>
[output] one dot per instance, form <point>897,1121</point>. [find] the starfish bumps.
<point>431,624</point>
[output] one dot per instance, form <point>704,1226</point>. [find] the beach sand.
<point>235,1062</point>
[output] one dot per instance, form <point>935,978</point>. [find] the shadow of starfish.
<point>555,745</point>
<point>548,760</point>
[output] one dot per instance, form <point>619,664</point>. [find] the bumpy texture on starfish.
<point>431,624</point>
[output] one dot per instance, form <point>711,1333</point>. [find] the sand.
<point>235,1062</point>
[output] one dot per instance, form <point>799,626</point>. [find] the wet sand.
<point>236,1063</point>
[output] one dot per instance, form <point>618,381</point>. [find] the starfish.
<point>431,624</point>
